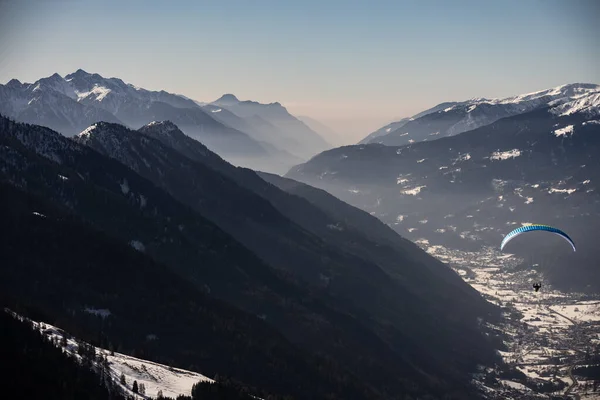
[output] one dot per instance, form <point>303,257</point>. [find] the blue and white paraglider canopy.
<point>536,227</point>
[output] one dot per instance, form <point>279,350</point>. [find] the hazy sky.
<point>354,65</point>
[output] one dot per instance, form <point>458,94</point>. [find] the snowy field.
<point>547,333</point>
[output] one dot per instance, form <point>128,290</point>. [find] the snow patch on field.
<point>567,130</point>
<point>568,191</point>
<point>505,155</point>
<point>414,191</point>
<point>463,157</point>
<point>579,312</point>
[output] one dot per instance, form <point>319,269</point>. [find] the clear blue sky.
<point>352,64</point>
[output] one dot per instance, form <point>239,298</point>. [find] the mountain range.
<point>452,118</point>
<point>261,136</point>
<point>352,310</point>
<point>468,189</point>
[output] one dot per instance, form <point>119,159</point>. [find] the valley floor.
<point>548,333</point>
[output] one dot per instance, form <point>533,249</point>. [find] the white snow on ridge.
<point>569,91</point>
<point>567,130</point>
<point>99,92</point>
<point>155,377</point>
<point>216,111</point>
<point>87,131</point>
<point>588,103</point>
<point>420,161</point>
<point>505,155</point>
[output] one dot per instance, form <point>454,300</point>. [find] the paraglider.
<point>532,228</point>
<point>536,227</point>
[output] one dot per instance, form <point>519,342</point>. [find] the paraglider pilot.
<point>537,286</point>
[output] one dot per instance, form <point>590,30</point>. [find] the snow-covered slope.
<point>112,93</point>
<point>585,103</point>
<point>155,377</point>
<point>448,119</point>
<point>50,102</point>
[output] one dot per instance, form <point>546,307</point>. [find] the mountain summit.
<point>227,99</point>
<point>247,133</point>
<point>448,119</point>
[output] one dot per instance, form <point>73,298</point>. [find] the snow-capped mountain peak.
<point>587,103</point>
<point>448,119</point>
<point>564,91</point>
<point>163,128</point>
<point>101,132</point>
